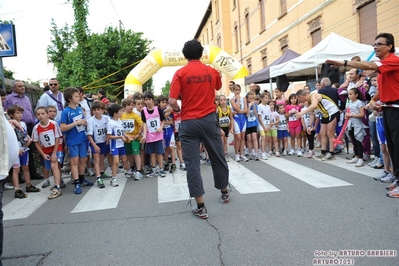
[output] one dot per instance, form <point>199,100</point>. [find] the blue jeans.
<point>374,138</point>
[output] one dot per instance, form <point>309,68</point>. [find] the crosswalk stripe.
<point>173,187</point>
<point>101,198</point>
<point>246,182</point>
<point>364,170</point>
<point>23,208</point>
<point>308,175</point>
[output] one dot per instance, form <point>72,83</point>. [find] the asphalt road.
<point>283,211</point>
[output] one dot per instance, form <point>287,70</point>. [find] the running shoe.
<point>292,151</point>
<point>366,157</point>
<point>8,186</point>
<point>91,173</point>
<point>113,182</point>
<point>46,183</point>
<point>328,157</point>
<point>208,161</point>
<point>138,175</point>
<point>225,198</point>
<point>284,153</point>
<point>32,188</point>
<point>227,158</point>
<point>129,173</point>
<point>256,157</point>
<point>353,160</point>
<point>244,159</point>
<point>162,173</point>
<point>380,176</point>
<point>350,156</point>
<point>78,189</point>
<point>172,168</point>
<point>359,163</point>
<point>310,154</point>
<point>183,167</point>
<point>319,156</point>
<point>166,167</point>
<point>263,156</point>
<point>105,176</point>
<point>19,194</point>
<point>86,183</point>
<point>62,184</point>
<point>100,183</point>
<point>202,213</point>
<point>393,185</point>
<point>389,178</point>
<point>374,161</point>
<point>299,154</point>
<point>55,193</point>
<point>393,193</point>
<point>278,154</point>
<point>237,158</point>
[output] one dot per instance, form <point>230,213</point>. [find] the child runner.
<point>97,135</point>
<point>15,112</point>
<point>179,151</point>
<point>279,97</point>
<point>47,136</point>
<point>294,124</point>
<point>239,109</point>
<point>355,127</point>
<point>225,122</point>
<point>168,133</point>
<point>264,123</point>
<point>282,130</point>
<point>272,133</point>
<point>117,138</point>
<point>308,124</point>
<point>252,126</point>
<point>73,125</point>
<point>133,127</point>
<point>153,119</point>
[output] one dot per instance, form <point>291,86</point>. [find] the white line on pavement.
<point>173,187</point>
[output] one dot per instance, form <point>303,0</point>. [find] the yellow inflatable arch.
<point>213,55</point>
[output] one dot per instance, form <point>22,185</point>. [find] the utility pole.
<point>3,87</point>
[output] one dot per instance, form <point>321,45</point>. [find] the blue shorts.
<point>118,151</point>
<point>154,147</point>
<point>79,150</point>
<point>318,127</point>
<point>103,148</point>
<point>380,130</point>
<point>169,136</point>
<point>22,160</point>
<point>282,134</point>
<point>60,159</point>
<point>240,124</point>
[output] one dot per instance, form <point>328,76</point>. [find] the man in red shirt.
<point>102,96</point>
<point>388,94</point>
<point>196,84</point>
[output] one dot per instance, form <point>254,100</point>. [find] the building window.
<point>219,40</point>
<point>249,65</point>
<point>211,30</point>
<point>217,10</point>
<point>283,7</point>
<point>368,22</point>
<point>284,44</point>
<point>263,55</point>
<point>316,37</point>
<point>262,15</point>
<point>247,25</point>
<point>236,36</point>
<point>207,36</point>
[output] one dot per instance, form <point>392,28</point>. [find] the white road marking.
<point>173,187</point>
<point>306,174</point>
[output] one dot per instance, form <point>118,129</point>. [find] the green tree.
<point>8,74</point>
<point>165,89</point>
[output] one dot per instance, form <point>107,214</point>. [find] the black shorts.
<point>251,130</point>
<point>327,120</point>
<point>226,131</point>
<point>177,136</point>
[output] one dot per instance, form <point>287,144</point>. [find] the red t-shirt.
<point>196,83</point>
<point>388,78</point>
<point>46,136</point>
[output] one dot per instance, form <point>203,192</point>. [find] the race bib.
<point>152,124</point>
<point>100,134</point>
<point>79,128</point>
<point>47,138</point>
<point>177,124</point>
<point>224,121</point>
<point>128,125</point>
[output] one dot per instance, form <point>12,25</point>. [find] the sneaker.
<point>388,179</point>
<point>100,183</point>
<point>227,158</point>
<point>172,168</point>
<point>62,184</point>
<point>256,157</point>
<point>318,145</point>
<point>359,163</point>
<point>78,189</point>
<point>328,157</point>
<point>393,185</point>
<point>244,159</point>
<point>263,156</point>
<point>129,173</point>
<point>86,183</point>
<point>350,156</point>
<point>284,153</point>
<point>19,194</point>
<point>183,167</point>
<point>366,157</point>
<point>166,167</point>
<point>105,176</point>
<point>310,154</point>
<point>208,161</point>
<point>225,198</point>
<point>393,193</point>
<point>238,159</point>
<point>292,151</point>
<point>113,182</point>
<point>120,169</point>
<point>138,175</point>
<point>162,173</point>
<point>278,154</point>
<point>55,193</point>
<point>32,188</point>
<point>246,152</point>
<point>319,156</point>
<point>202,213</point>
<point>380,176</point>
<point>46,183</point>
<point>250,157</point>
<point>269,154</point>
<point>299,154</point>
<point>374,162</point>
<point>8,186</point>
<point>203,155</point>
<point>353,160</point>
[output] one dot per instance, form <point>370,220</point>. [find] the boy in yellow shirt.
<point>133,127</point>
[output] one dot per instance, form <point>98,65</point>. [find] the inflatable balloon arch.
<point>157,59</point>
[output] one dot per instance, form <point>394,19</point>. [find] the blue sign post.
<point>8,46</point>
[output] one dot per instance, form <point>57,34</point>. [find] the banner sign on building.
<point>8,44</point>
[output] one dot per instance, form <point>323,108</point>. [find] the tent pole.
<point>317,74</point>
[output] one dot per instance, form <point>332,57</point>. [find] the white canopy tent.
<point>333,47</point>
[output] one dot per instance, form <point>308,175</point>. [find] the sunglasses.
<point>53,84</point>
<point>378,44</point>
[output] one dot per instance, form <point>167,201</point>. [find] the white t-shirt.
<point>264,112</point>
<point>115,128</point>
<point>97,128</point>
